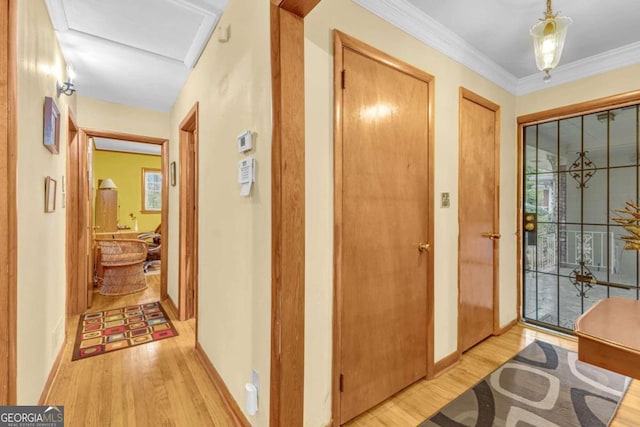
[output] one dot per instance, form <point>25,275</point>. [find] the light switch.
<point>444,200</point>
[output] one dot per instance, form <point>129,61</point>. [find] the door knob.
<point>424,247</point>
<point>492,236</point>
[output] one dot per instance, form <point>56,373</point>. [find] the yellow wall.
<point>125,169</point>
<point>232,83</point>
<point>449,76</point>
<point>41,236</point>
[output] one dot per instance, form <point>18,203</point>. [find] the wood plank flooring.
<point>164,384</point>
<point>157,384</point>
<point>424,398</point>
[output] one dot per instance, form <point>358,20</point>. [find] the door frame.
<point>78,160</point>
<point>286,404</point>
<point>187,308</point>
<point>341,41</point>
<point>474,97</point>
<point>8,198</point>
<point>600,104</point>
<point>76,301</point>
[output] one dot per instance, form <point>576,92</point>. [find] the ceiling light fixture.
<point>67,87</point>
<point>548,40</point>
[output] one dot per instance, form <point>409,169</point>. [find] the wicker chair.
<point>122,262</point>
<point>154,242</point>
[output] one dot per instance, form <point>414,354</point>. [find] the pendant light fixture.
<point>548,40</point>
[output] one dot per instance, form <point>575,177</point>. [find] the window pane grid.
<point>578,172</point>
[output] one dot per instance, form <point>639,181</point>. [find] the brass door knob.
<point>424,247</point>
<point>492,236</point>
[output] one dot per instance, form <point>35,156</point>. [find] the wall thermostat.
<point>244,141</point>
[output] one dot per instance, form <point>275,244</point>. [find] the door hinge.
<point>341,382</point>
<point>343,79</point>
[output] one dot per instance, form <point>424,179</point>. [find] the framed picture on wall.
<point>51,126</point>
<point>50,194</point>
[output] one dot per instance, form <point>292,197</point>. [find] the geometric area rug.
<point>543,385</point>
<point>118,328</point>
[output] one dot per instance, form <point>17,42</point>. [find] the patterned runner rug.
<point>543,385</point>
<point>117,328</point>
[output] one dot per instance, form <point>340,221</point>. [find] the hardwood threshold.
<point>548,331</point>
<point>229,402</point>
<point>53,373</point>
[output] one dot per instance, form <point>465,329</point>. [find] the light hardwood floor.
<point>421,400</point>
<point>156,384</point>
<point>164,383</point>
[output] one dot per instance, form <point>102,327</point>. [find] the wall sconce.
<point>67,87</point>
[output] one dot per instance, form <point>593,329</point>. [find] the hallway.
<point>160,383</point>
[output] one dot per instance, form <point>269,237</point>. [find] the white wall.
<point>449,76</point>
<point>108,116</point>
<point>41,236</point>
<point>232,83</point>
<point>599,86</point>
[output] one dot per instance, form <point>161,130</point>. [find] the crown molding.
<point>418,24</point>
<point>601,63</point>
<point>413,21</point>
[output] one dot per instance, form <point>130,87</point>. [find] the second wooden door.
<point>478,219</point>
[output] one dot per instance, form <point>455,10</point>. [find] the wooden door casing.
<point>478,217</point>
<point>188,266</point>
<point>383,211</point>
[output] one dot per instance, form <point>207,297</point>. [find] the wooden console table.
<point>609,336</point>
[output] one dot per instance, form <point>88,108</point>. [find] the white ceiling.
<point>140,52</point>
<point>492,36</point>
<point>133,52</point>
<point>107,144</point>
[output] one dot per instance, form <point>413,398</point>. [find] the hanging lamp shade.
<point>548,40</point>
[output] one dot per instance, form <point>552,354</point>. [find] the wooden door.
<point>382,176</point>
<point>478,219</point>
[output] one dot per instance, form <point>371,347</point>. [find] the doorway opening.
<point>82,237</point>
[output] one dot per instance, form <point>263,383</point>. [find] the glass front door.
<point>579,173</point>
